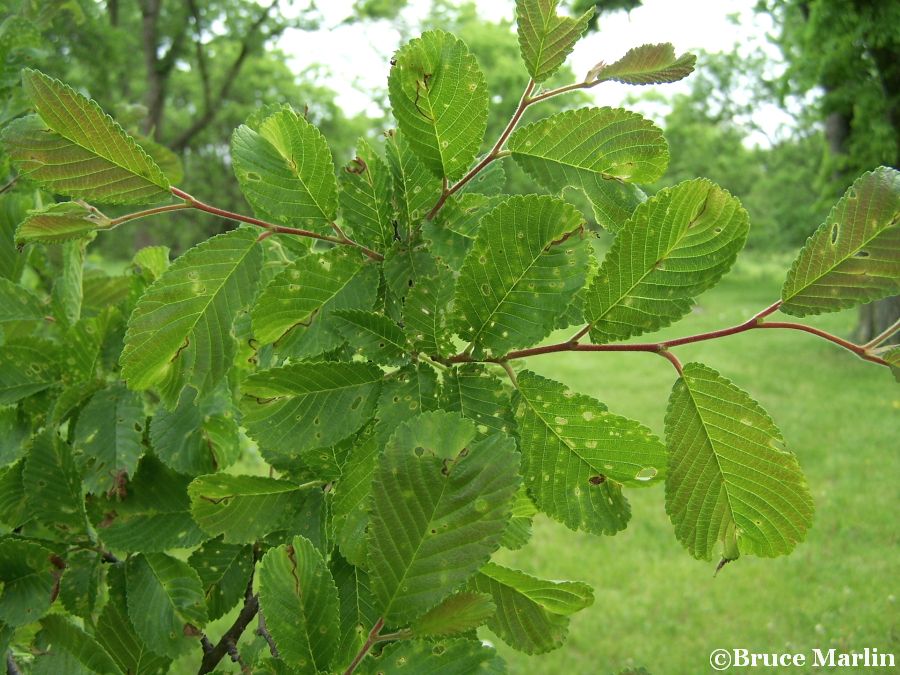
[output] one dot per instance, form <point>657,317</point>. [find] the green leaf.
<point>80,588</point>
<point>439,97</point>
<point>596,150</point>
<point>13,508</point>
<point>528,261</point>
<point>567,471</point>
<point>453,231</point>
<point>351,501</point>
<point>545,37</point>
<point>730,478</point>
<point>490,181</point>
<point>224,570</point>
<point>405,394</point>
<point>437,512</point>
<point>892,356</point>
<point>459,613</point>
<point>374,336</point>
<point>25,370</point>
<point>647,64</point>
<point>243,508</point>
<point>677,244</point>
<point>366,198</point>
<point>852,258</point>
<point>180,330</point>
<point>285,169</point>
<point>308,405</point>
<point>425,314</point>
<point>152,261</point>
<point>59,223</point>
<point>475,393</point>
<point>68,290</point>
<point>585,434</point>
<point>357,608</point>
<point>116,633</point>
<point>197,437</point>
<point>612,202</point>
<point>165,602</point>
<point>108,437</point>
<point>532,614</point>
<point>300,601</point>
<point>59,633</point>
<point>19,304</point>
<point>28,579</point>
<point>518,532</point>
<point>405,265</point>
<point>75,149</point>
<point>416,189</point>
<point>16,425</point>
<point>53,485</point>
<point>452,656</point>
<point>154,514</point>
<point>302,297</point>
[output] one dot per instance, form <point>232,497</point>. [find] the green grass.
<point>659,608</point>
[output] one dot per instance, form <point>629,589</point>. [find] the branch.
<point>664,347</point>
<point>369,643</point>
<point>524,102</point>
<point>201,55</point>
<point>195,203</point>
<point>263,631</point>
<point>148,212</point>
<point>227,643</point>
<point>12,668</point>
<point>215,103</point>
<point>882,336</point>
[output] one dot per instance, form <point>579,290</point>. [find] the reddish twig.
<point>663,348</point>
<point>524,102</point>
<point>278,229</point>
<point>369,643</point>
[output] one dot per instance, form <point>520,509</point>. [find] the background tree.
<point>850,50</point>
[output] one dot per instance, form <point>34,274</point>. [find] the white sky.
<point>357,55</point>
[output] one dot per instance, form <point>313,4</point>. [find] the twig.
<point>369,643</point>
<point>12,668</point>
<point>9,185</point>
<point>263,631</point>
<point>195,203</point>
<point>495,152</point>
<point>226,644</point>
<point>510,373</point>
<point>882,336</point>
<point>663,348</point>
<point>148,212</point>
<point>673,359</point>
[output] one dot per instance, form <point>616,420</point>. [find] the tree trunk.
<point>154,97</point>
<point>875,317</point>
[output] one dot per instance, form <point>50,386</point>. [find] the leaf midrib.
<point>42,85</point>
<point>664,256</point>
<point>812,282</point>
<point>516,282</point>
<point>445,484</point>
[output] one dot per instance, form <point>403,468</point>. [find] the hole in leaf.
<point>834,233</point>
<point>419,450</point>
<point>646,473</point>
<point>599,479</point>
<point>252,176</point>
<point>861,254</point>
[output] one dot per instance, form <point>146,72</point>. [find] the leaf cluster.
<point>307,425</point>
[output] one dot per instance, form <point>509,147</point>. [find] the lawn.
<point>659,608</point>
